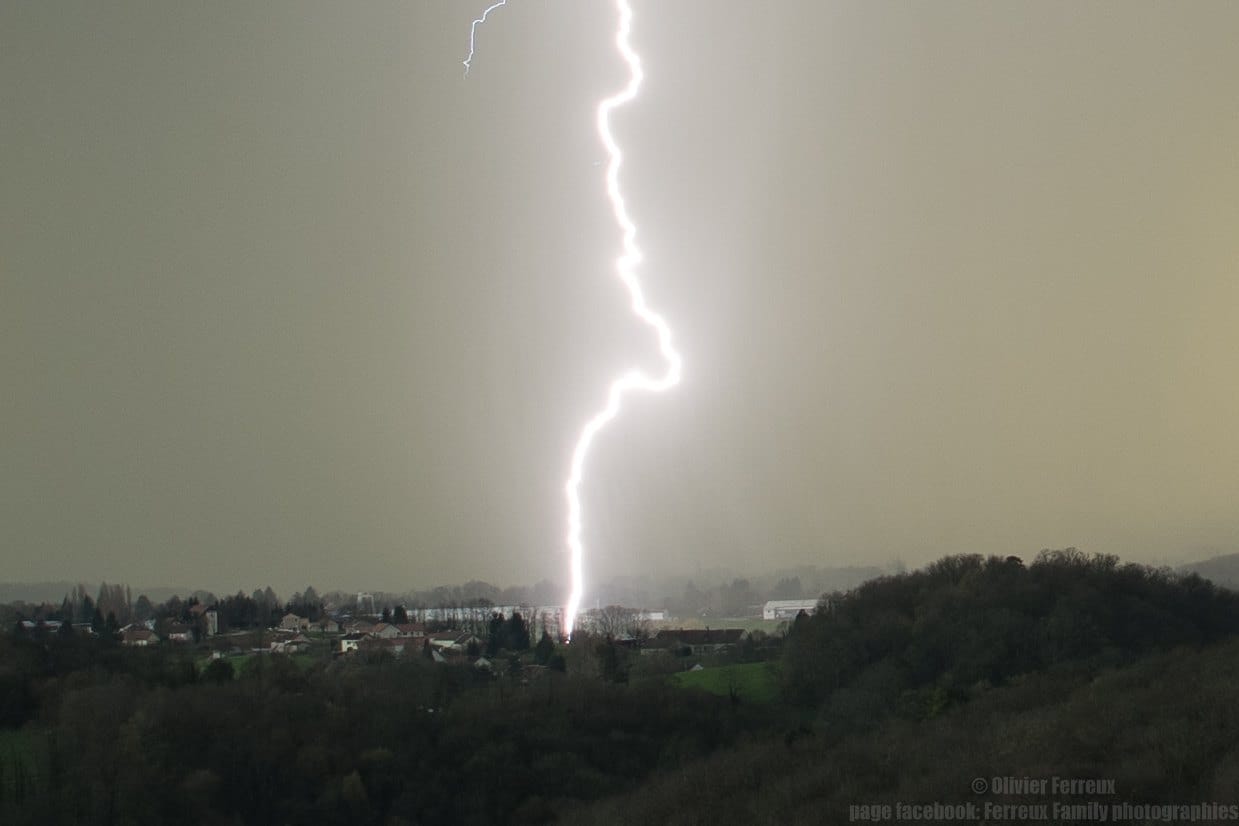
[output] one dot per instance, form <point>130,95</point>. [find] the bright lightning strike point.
<point>625,268</point>
<point>473,30</point>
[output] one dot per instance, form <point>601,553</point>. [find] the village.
<point>443,634</point>
<point>439,633</point>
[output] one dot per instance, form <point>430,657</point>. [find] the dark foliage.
<point>137,736</point>
<point>916,642</point>
<point>510,634</point>
<point>902,690</point>
<point>1162,728</point>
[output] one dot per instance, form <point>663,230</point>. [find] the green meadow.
<point>754,682</point>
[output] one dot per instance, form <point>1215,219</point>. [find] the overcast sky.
<point>286,300</point>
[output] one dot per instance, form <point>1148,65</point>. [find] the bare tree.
<point>618,621</point>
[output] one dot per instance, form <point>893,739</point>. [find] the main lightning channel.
<point>473,30</point>
<point>625,269</point>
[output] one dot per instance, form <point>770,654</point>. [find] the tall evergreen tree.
<point>516,633</point>
<point>544,649</point>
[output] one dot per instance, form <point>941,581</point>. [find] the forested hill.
<point>916,641</point>
<point>911,686</point>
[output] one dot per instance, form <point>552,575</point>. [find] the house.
<point>697,641</point>
<point>453,641</point>
<point>207,618</point>
<point>296,645</point>
<point>384,631</point>
<point>327,625</point>
<point>411,629</point>
<point>139,636</point>
<point>41,625</point>
<point>292,622</point>
<point>350,642</point>
<point>787,609</point>
<point>180,633</point>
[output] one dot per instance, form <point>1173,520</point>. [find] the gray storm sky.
<point>285,299</point>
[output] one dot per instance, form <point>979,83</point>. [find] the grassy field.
<point>754,682</point>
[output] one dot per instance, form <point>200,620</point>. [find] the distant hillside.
<point>1221,570</point>
<point>53,592</point>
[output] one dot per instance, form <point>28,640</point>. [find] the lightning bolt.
<point>473,32</point>
<point>625,268</point>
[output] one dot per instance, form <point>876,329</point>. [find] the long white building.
<point>787,609</point>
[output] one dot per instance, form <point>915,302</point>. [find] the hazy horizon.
<point>604,592</point>
<point>286,299</point>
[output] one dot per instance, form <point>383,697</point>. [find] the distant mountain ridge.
<point>1221,570</point>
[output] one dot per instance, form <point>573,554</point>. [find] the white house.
<point>350,642</point>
